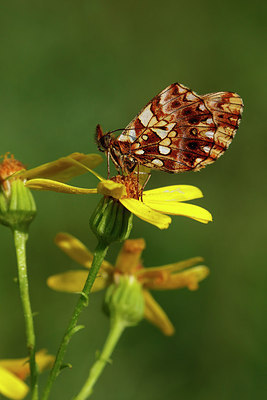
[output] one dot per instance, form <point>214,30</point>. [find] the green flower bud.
<point>17,206</point>
<point>124,301</point>
<point>111,221</point>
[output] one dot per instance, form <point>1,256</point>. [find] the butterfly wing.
<point>180,131</point>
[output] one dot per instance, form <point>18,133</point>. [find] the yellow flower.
<point>151,206</point>
<point>14,371</point>
<point>17,206</point>
<point>166,277</point>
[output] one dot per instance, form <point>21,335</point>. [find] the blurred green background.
<point>68,65</point>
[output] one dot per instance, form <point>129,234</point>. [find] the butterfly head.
<point>103,140</point>
<point>108,144</point>
<point>113,148</point>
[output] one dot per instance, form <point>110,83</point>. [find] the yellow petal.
<point>173,267</point>
<point>55,186</point>
<point>11,386</point>
<point>188,278</point>
<point>156,315</point>
<point>44,360</point>
<point>172,193</point>
<point>128,259</point>
<point>110,188</point>
<point>64,168</point>
<point>191,276</point>
<point>21,367</point>
<point>177,208</point>
<point>144,212</point>
<point>74,249</point>
<point>77,251</point>
<point>73,281</point>
<point>84,167</point>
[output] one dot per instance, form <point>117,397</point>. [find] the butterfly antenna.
<point>126,129</point>
<point>116,130</point>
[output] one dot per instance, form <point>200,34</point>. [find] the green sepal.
<point>17,205</point>
<point>111,221</point>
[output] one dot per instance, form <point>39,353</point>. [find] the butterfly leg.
<point>108,164</point>
<point>144,185</point>
<point>137,182</point>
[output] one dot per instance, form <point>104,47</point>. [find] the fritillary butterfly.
<point>176,131</point>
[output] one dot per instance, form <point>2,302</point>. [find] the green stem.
<point>99,255</point>
<point>20,239</point>
<point>116,329</point>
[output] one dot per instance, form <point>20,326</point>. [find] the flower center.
<point>9,166</point>
<point>131,184</point>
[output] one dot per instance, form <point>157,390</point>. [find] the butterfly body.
<point>176,131</point>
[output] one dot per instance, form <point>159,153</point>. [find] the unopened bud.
<point>124,300</point>
<point>111,221</point>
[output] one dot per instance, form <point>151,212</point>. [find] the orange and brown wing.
<point>180,131</point>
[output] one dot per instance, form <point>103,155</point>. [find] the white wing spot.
<point>160,132</point>
<point>127,136</point>
<point>209,134</point>
<point>172,134</point>
<point>190,96</point>
<point>166,142</point>
<point>182,89</point>
<point>152,122</point>
<point>164,150</point>
<point>146,115</point>
<point>157,162</point>
<point>202,107</point>
<point>161,123</point>
<point>209,121</point>
<point>144,137</point>
<point>206,149</point>
<point>140,152</point>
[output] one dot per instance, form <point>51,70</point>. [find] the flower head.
<point>17,206</point>
<point>8,167</point>
<point>14,371</point>
<point>166,277</point>
<point>150,206</point>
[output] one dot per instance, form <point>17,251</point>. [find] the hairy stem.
<point>20,239</point>
<point>99,255</point>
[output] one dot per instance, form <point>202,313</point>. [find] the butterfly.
<point>176,131</point>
